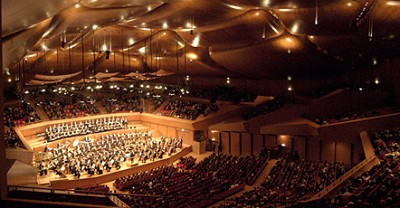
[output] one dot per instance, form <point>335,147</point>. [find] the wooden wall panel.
<point>270,141</point>
<point>299,145</point>
<point>257,143</point>
<point>235,143</point>
<point>313,149</point>
<point>328,151</point>
<point>225,142</point>
<point>246,144</point>
<point>343,152</point>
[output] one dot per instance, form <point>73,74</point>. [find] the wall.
<point>308,147</point>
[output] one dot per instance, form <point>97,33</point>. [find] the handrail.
<point>117,201</point>
<point>340,180</point>
<point>369,155</point>
<point>108,194</point>
<point>366,143</point>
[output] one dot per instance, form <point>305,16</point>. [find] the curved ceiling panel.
<point>382,21</point>
<point>250,28</point>
<point>17,46</point>
<point>253,38</point>
<point>293,4</point>
<point>321,20</point>
<point>19,15</point>
<point>186,15</point>
<point>118,3</point>
<point>277,58</point>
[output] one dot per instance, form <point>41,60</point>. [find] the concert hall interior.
<point>200,103</point>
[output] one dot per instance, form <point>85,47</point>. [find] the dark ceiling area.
<point>269,39</point>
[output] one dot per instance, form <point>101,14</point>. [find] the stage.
<point>36,145</point>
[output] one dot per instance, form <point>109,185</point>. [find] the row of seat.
<point>216,177</point>
<point>379,186</point>
<point>289,182</point>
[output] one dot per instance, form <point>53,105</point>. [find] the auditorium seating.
<point>186,162</point>
<point>98,189</point>
<point>20,115</point>
<point>187,110</point>
<point>233,168</point>
<point>157,101</point>
<point>181,184</point>
<point>264,108</point>
<point>12,139</point>
<point>217,176</point>
<point>223,93</point>
<point>121,104</point>
<point>353,115</point>
<point>380,185</point>
<point>289,182</point>
<point>69,109</point>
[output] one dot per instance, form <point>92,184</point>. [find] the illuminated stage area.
<point>100,157</point>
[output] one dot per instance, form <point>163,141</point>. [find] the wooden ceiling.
<point>237,38</point>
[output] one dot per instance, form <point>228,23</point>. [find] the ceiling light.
<point>295,28</point>
<point>285,10</point>
<point>131,41</point>
<point>165,25</point>
<point>192,56</point>
<point>196,41</point>
<point>180,44</point>
<point>142,50</point>
<point>234,7</point>
<point>77,6</point>
<point>104,47</point>
<point>265,3</point>
<point>393,3</point>
<point>44,47</point>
